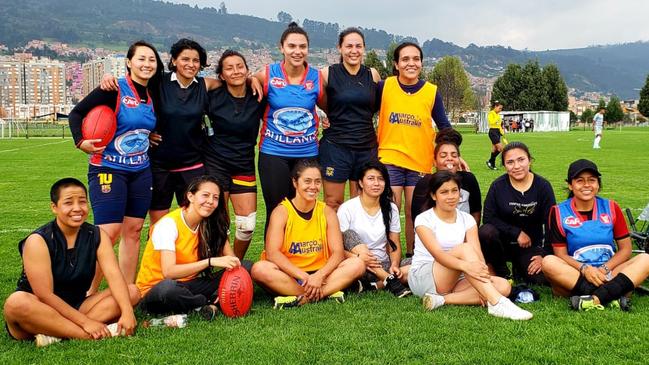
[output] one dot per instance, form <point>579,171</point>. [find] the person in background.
<point>496,133</point>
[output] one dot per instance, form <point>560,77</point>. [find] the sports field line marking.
<point>28,147</point>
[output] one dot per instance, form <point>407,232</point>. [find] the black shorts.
<point>233,179</point>
<point>341,163</point>
<point>168,183</point>
<point>494,135</point>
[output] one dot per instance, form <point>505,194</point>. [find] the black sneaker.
<point>491,166</point>
<point>395,287</point>
<point>361,285</point>
<point>207,312</point>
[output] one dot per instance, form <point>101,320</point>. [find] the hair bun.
<point>293,25</point>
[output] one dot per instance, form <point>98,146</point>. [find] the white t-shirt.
<point>370,228</point>
<point>165,233</point>
<point>598,121</point>
<point>448,235</point>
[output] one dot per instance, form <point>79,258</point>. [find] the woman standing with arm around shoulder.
<point>350,140</point>
<point>235,114</point>
<point>448,266</point>
<point>406,135</point>
<point>176,271</point>
<point>515,211</point>
<point>119,175</point>
<point>289,130</point>
<point>304,259</point>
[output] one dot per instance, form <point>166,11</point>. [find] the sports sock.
<point>583,287</point>
<point>620,285</point>
<point>492,159</point>
<point>596,142</point>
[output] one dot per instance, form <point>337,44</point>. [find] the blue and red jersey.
<point>135,120</point>
<point>290,121</point>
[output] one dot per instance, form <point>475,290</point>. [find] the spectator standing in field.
<point>496,133</point>
<point>598,126</point>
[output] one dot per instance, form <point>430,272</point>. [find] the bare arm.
<point>38,269</point>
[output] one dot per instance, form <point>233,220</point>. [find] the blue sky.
<point>536,25</point>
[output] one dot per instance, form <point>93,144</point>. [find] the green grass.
<point>373,328</point>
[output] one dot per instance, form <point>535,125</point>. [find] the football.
<point>235,292</point>
<point>100,123</point>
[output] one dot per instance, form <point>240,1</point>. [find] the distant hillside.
<point>618,69</point>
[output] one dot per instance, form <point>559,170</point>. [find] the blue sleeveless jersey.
<point>290,122</point>
<point>590,242</point>
<point>135,120</point>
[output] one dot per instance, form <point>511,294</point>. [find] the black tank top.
<point>180,123</point>
<point>72,269</point>
<point>351,100</point>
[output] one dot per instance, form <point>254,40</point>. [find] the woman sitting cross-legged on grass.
<point>370,225</point>
<point>447,265</point>
<point>59,262</point>
<point>304,259</point>
<point>584,231</point>
<point>176,270</point>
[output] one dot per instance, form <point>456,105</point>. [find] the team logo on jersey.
<point>130,102</point>
<point>304,248</point>
<point>278,82</point>
<point>605,218</point>
<point>405,119</point>
<point>293,121</point>
<point>309,85</point>
<point>133,143</point>
<point>572,222</point>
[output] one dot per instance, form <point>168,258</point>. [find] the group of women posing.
<point>313,249</point>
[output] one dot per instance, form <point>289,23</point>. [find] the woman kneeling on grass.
<point>304,259</point>
<point>447,265</point>
<point>584,231</point>
<point>59,262</point>
<point>370,225</point>
<point>176,271</point>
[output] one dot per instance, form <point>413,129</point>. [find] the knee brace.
<point>245,226</point>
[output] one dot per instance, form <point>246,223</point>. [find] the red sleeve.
<point>620,230</point>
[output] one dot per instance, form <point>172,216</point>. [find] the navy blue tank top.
<point>351,103</point>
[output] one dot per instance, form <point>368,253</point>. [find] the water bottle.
<point>174,321</point>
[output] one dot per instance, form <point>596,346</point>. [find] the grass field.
<point>370,328</point>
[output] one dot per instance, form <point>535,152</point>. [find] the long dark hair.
<point>213,230</point>
<point>160,67</point>
<point>385,199</point>
<point>397,51</point>
<point>436,181</point>
<point>183,44</point>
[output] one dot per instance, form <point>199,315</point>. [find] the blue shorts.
<point>116,194</point>
<point>340,163</point>
<point>401,176</point>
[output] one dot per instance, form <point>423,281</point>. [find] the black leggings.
<point>275,180</point>
<point>498,248</point>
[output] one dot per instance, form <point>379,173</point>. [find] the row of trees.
<point>614,112</point>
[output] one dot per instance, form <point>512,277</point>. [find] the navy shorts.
<point>167,183</point>
<point>494,135</point>
<point>116,194</point>
<point>401,176</point>
<point>234,180</point>
<point>340,163</point>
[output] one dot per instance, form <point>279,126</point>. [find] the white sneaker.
<point>506,309</point>
<point>44,340</point>
<point>432,301</point>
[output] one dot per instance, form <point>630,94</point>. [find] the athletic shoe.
<point>338,296</point>
<point>287,302</point>
<point>623,304</point>
<point>506,309</point>
<point>491,166</point>
<point>584,303</point>
<point>395,287</point>
<point>361,285</point>
<point>44,340</point>
<point>432,301</point>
